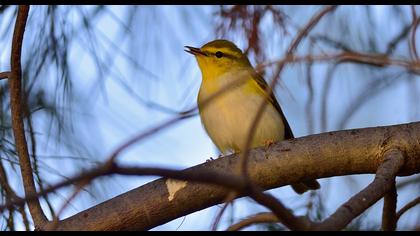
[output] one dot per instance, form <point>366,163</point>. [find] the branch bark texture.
<point>359,151</point>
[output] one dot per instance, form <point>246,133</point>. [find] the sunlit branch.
<point>334,156</point>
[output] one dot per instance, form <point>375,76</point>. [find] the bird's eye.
<point>219,54</point>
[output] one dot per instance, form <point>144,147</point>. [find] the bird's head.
<point>218,57</point>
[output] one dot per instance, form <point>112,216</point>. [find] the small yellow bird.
<point>228,117</point>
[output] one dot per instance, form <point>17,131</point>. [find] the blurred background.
<point>95,76</point>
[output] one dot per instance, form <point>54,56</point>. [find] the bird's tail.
<point>305,186</point>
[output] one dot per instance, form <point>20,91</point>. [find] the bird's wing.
<point>263,85</point>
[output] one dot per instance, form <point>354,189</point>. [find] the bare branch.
<point>389,217</point>
<point>392,162</point>
<point>413,34</point>
<point>356,153</point>
<point>231,196</point>
<point>408,207</point>
<point>402,35</point>
<point>281,164</point>
<point>56,217</point>
<point>266,217</point>
<point>11,195</point>
<point>312,22</point>
<point>379,60</point>
<point>17,117</point>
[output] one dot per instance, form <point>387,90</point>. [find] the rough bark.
<point>324,155</point>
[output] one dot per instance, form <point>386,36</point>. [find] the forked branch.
<point>384,179</point>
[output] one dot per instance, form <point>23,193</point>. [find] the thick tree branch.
<point>342,153</point>
<point>17,117</point>
<point>316,156</point>
<point>393,161</point>
<point>389,217</point>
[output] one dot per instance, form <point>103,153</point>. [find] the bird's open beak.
<point>194,51</point>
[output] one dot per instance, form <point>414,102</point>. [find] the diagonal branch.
<point>408,207</point>
<point>343,153</point>
<point>266,217</point>
<point>269,90</point>
<point>17,117</point>
<point>281,164</point>
<point>412,40</point>
<point>385,177</point>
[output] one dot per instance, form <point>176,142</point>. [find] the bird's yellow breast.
<point>228,118</point>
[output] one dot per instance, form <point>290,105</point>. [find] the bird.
<point>235,92</point>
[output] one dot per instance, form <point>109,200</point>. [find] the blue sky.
<point>173,80</point>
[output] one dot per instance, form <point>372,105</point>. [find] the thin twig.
<point>379,60</point>
<point>182,115</point>
<point>10,195</point>
<point>402,35</point>
<point>213,177</point>
<point>408,207</point>
<point>413,34</point>
<point>266,217</point>
<point>389,217</point>
<point>230,197</point>
<point>15,88</point>
<point>56,218</point>
<point>310,101</point>
<point>324,99</point>
<point>312,22</point>
<point>240,184</point>
<point>392,162</point>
